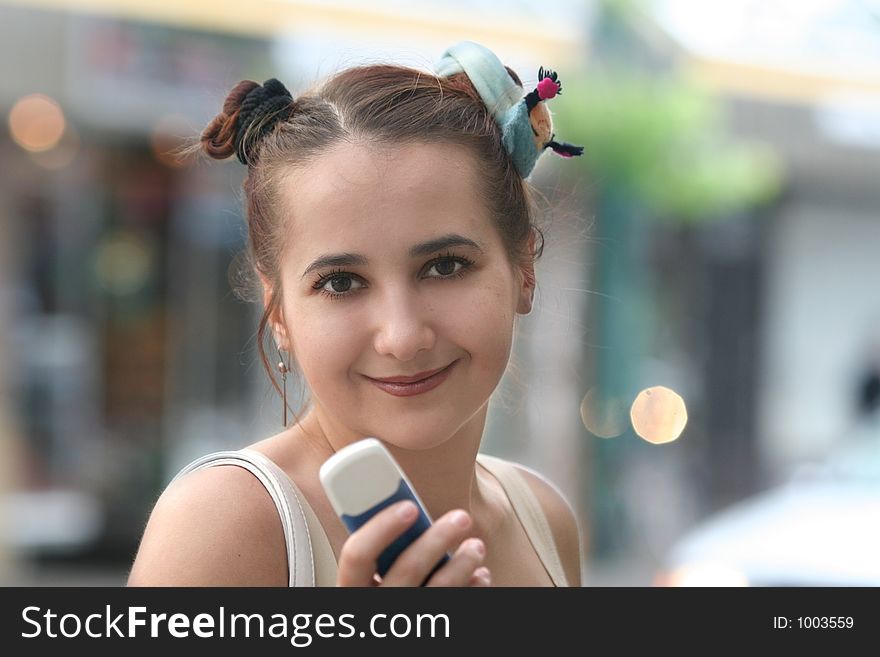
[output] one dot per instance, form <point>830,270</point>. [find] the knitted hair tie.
<point>261,102</point>
<point>525,121</point>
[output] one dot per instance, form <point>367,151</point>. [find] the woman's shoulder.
<point>202,529</point>
<point>560,517</point>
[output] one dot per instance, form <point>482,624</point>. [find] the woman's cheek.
<point>322,346</point>
<point>489,327</point>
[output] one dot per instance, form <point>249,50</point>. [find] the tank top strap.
<point>310,560</point>
<point>528,510</point>
<point>323,558</point>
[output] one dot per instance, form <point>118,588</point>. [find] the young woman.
<point>390,227</point>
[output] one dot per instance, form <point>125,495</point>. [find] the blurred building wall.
<point>820,311</point>
<point>9,432</point>
<point>824,313</point>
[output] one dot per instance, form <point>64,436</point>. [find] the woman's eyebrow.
<point>425,248</point>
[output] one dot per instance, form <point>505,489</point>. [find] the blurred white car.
<point>822,528</point>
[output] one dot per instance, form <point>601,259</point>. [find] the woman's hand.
<point>360,553</point>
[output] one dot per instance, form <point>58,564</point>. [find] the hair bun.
<point>262,101</point>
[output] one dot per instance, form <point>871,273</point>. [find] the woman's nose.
<point>403,325</point>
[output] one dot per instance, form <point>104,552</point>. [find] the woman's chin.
<point>414,439</point>
<point>418,432</point>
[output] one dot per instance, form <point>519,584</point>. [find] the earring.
<point>284,369</point>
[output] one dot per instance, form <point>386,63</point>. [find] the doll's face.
<point>542,125</point>
<point>393,268</point>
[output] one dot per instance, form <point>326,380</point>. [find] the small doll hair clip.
<point>525,121</point>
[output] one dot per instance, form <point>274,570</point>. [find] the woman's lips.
<point>416,387</point>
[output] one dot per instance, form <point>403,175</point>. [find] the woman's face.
<point>394,268</point>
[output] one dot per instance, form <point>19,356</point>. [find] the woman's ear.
<point>527,280</point>
<point>276,319</point>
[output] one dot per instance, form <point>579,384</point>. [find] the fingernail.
<point>406,511</point>
<point>483,573</point>
<point>478,546</point>
<point>461,519</point>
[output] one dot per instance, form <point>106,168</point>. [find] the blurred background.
<point>700,375</point>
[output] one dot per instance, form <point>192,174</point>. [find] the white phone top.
<point>359,476</point>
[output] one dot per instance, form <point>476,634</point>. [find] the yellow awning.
<point>273,17</point>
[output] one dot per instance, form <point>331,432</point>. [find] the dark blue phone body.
<point>387,558</point>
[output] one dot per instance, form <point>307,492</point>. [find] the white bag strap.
<point>285,495</point>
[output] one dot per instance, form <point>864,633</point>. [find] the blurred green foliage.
<point>663,139</point>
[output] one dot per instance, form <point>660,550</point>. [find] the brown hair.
<point>383,104</point>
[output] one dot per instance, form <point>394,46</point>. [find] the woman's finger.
<point>413,566</point>
<point>359,554</point>
<point>481,577</point>
<point>459,570</point>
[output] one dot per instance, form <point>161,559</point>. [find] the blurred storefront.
<point>116,279</point>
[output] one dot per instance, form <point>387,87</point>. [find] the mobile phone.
<point>363,478</point>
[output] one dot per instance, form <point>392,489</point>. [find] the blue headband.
<point>505,100</point>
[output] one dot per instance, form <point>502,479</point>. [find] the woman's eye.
<point>446,267</point>
<point>338,284</point>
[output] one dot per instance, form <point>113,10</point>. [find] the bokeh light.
<point>603,415</point>
<point>36,123</point>
<point>658,415</point>
<point>62,155</point>
<point>123,263</point>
